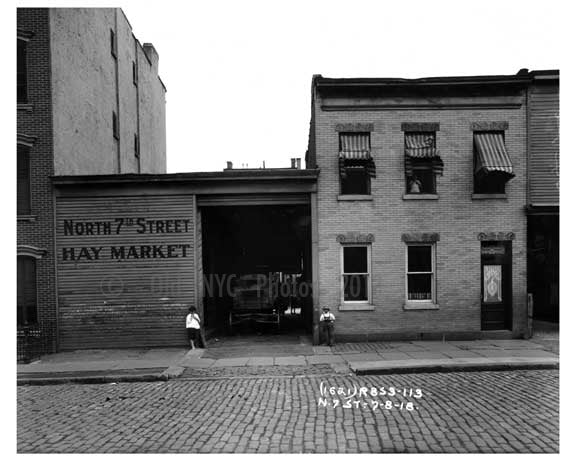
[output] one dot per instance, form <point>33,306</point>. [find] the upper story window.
<point>26,301</point>
<point>356,164</point>
<point>113,44</point>
<point>136,146</point>
<point>21,72</point>
<point>492,164</point>
<point>422,162</point>
<point>23,180</point>
<point>356,274</point>
<point>115,126</point>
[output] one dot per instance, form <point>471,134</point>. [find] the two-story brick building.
<point>421,204</point>
<point>89,101</point>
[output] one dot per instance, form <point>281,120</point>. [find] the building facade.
<point>421,205</point>
<point>89,101</point>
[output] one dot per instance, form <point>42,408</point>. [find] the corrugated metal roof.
<point>492,154</point>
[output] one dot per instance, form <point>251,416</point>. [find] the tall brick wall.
<point>35,119</point>
<point>454,216</point>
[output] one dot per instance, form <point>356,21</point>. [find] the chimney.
<point>292,163</point>
<point>298,163</point>
<point>152,54</point>
<point>229,165</point>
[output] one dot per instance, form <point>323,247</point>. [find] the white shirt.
<point>327,316</point>
<point>193,321</point>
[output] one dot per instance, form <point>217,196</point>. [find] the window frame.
<point>475,183</point>
<point>407,300</point>
<point>366,177</point>
<point>422,165</point>
<point>22,72</point>
<point>25,306</point>
<point>368,247</point>
<point>23,150</point>
<point>115,126</point>
<point>113,44</point>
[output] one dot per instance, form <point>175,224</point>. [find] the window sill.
<point>24,107</point>
<point>420,306</point>
<point>26,217</point>
<point>354,197</point>
<point>355,307</point>
<point>488,196</point>
<point>420,197</point>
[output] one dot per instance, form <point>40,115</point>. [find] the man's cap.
<point>325,308</point>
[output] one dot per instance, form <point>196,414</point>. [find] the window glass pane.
<point>355,259</point>
<point>22,181</point>
<point>419,286</point>
<point>419,258</point>
<point>21,71</point>
<point>356,288</point>
<point>356,182</point>
<point>26,290</point>
<point>492,284</point>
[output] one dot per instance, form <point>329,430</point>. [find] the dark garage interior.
<point>257,269</point>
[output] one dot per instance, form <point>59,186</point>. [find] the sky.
<point>238,73</point>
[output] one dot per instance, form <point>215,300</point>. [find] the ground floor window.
<point>420,283</point>
<point>355,270</point>
<point>26,291</point>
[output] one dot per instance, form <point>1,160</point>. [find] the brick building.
<point>421,205</point>
<point>89,101</point>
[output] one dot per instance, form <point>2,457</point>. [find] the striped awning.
<point>355,153</point>
<point>491,154</point>
<point>421,146</point>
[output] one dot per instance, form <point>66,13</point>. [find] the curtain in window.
<point>355,152</point>
<point>421,146</point>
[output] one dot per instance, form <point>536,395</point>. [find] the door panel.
<point>496,291</point>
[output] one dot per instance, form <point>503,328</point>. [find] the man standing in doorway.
<point>327,320</point>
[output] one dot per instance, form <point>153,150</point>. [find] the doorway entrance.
<point>257,269</point>
<point>496,292</point>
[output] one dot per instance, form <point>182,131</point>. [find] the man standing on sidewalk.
<point>327,320</point>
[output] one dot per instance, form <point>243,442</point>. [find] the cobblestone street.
<point>511,411</point>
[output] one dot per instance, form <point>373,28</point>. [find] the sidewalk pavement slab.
<point>459,353</point>
<point>514,343</point>
<point>235,362</point>
<point>427,355</point>
<point>408,348</point>
<point>262,361</point>
<point>319,359</point>
<point>322,350</point>
<point>294,360</point>
<point>394,355</point>
<point>195,362</point>
<point>367,356</point>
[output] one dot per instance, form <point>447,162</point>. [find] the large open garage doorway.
<point>257,269</point>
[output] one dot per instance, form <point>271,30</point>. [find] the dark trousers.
<point>327,329</point>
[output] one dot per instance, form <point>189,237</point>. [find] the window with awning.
<point>356,165</point>
<point>422,162</point>
<point>492,164</point>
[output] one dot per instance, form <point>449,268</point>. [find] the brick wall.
<point>35,119</point>
<point>454,216</point>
